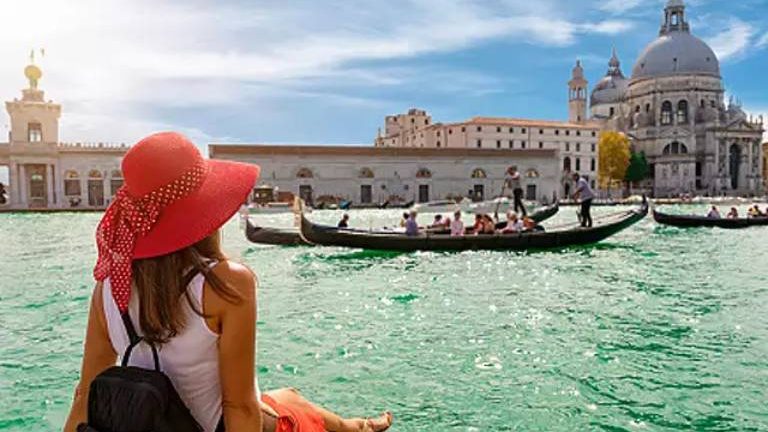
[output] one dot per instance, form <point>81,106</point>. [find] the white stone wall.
<point>340,176</point>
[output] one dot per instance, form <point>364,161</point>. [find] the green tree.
<point>638,168</point>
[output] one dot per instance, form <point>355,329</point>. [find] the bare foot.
<point>378,424</point>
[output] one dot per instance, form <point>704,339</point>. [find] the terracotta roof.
<point>531,123</point>
<point>220,150</point>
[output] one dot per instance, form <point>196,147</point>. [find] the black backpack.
<point>131,399</point>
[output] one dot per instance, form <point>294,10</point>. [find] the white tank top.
<point>190,359</point>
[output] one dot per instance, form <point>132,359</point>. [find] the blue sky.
<point>328,71</point>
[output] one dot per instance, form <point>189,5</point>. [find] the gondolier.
<point>585,196</point>
<point>517,190</point>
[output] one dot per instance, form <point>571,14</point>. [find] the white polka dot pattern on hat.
<point>128,219</point>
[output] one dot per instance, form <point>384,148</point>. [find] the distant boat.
<point>271,208</point>
<point>442,206</point>
<point>273,236</point>
<point>693,221</point>
<point>498,205</point>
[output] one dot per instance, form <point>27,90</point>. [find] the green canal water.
<point>655,329</point>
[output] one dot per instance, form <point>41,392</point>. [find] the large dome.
<point>676,53</point>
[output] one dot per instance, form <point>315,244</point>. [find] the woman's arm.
<point>236,325</point>
<point>98,355</point>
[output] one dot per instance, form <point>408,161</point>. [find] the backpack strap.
<point>135,339</point>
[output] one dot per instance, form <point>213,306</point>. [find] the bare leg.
<point>332,421</point>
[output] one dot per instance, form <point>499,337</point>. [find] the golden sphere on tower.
<point>33,72</point>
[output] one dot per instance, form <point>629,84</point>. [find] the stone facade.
<point>45,173</point>
<point>673,110</point>
<point>370,175</point>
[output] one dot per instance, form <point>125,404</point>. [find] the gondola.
<point>690,221</point>
<point>273,236</point>
<point>330,236</point>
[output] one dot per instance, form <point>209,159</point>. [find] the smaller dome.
<point>609,90</point>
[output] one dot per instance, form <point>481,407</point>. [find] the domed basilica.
<point>673,109</point>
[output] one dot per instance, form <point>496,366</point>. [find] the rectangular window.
<point>592,165</point>
<point>567,133</point>
<point>522,144</point>
<point>541,131</point>
<point>557,131</point>
<point>567,147</point>
<point>114,186</point>
<point>423,193</point>
<point>578,147</point>
<point>450,131</point>
<point>593,147</point>
<point>530,192</point>
<point>438,144</point>
<point>366,194</point>
<point>479,143</point>
<point>498,129</point>
<point>479,128</point>
<point>578,133</point>
<point>523,130</point>
<point>438,133</point>
<point>463,129</point>
<point>594,134</point>
<point>578,164</point>
<point>72,187</point>
<point>541,145</point>
<point>34,132</point>
<point>498,144</point>
<point>511,144</point>
<point>511,130</point>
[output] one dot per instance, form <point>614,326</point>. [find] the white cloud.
<point>130,60</point>
<point>618,6</point>
<point>733,40</point>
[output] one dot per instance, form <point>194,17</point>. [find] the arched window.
<point>71,183</point>
<point>366,172</point>
<point>682,112</point>
<point>666,113</point>
<point>95,174</point>
<point>116,182</point>
<point>675,148</point>
<point>423,173</point>
<point>479,173</point>
<point>531,174</point>
<point>567,164</point>
<point>304,173</point>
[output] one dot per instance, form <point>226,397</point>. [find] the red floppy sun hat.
<point>171,199</point>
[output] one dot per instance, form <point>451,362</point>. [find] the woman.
<point>160,263</point>
<point>733,214</point>
<point>514,224</point>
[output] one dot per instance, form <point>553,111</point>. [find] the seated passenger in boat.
<point>411,226</point>
<point>344,222</point>
<point>733,214</point>
<point>514,224</point>
<point>440,222</point>
<point>457,225</point>
<point>404,220</point>
<point>170,282</point>
<point>714,213</point>
<point>483,224</point>
<point>755,212</point>
<point>531,225</point>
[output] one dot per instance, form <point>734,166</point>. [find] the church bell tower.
<point>577,95</point>
<point>33,119</point>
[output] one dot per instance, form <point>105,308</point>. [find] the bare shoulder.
<point>238,276</point>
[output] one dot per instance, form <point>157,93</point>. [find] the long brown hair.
<point>161,282</point>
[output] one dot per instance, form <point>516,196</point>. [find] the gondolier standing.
<point>585,196</point>
<point>517,190</point>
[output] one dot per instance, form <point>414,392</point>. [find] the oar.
<point>498,202</point>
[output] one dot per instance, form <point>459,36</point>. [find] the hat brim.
<point>198,215</point>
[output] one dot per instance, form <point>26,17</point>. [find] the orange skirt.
<point>294,418</point>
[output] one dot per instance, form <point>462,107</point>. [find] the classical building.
<point>673,109</point>
<point>46,173</point>
<point>573,143</point>
<point>370,175</point>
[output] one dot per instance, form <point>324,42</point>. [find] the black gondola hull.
<point>330,236</point>
<point>689,221</point>
<point>273,236</point>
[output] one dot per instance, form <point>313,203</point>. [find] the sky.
<point>328,71</point>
